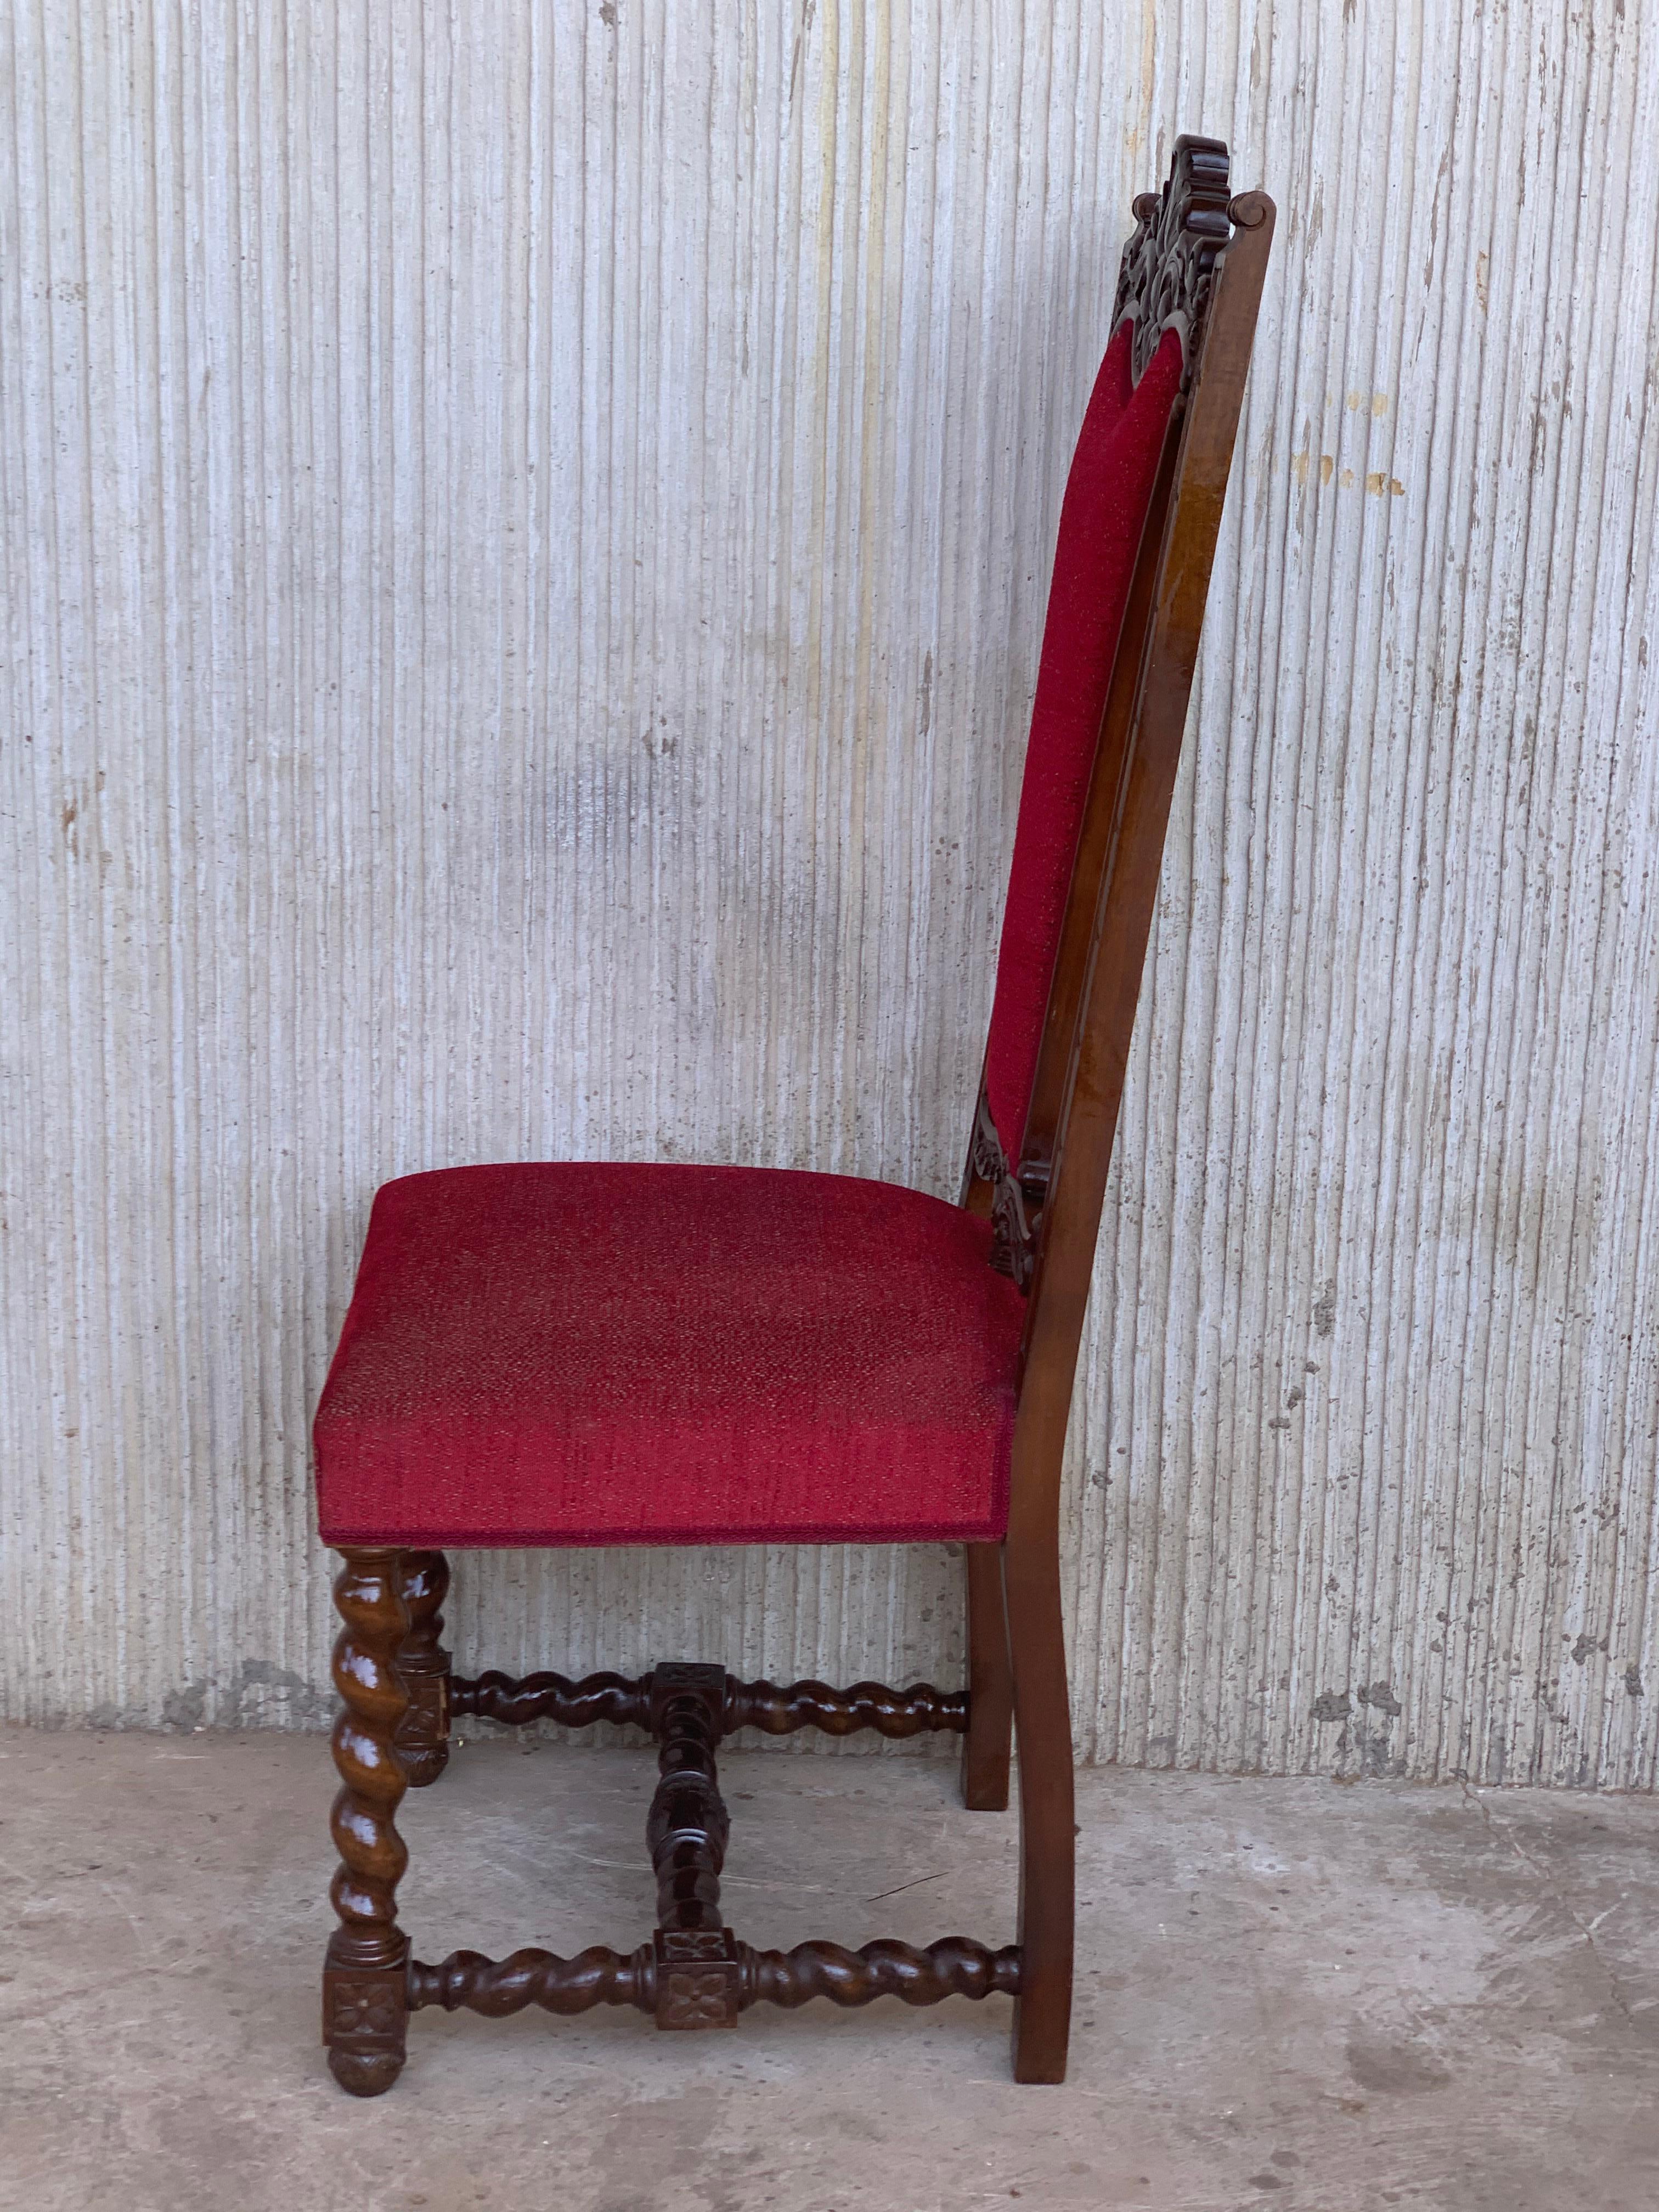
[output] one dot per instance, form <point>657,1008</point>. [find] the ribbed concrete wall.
<point>525,542</point>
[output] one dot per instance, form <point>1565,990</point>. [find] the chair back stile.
<point>1049,1203</point>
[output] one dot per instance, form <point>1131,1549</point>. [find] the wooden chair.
<point>543,1354</point>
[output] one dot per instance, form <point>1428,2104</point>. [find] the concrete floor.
<point>1293,1994</point>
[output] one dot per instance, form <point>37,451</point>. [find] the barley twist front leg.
<point>365,1976</point>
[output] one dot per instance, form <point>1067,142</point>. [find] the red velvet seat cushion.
<point>1108,494</point>
<point>596,1354</point>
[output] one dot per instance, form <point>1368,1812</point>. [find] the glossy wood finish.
<point>687,1824</point>
<point>1079,1087</point>
<point>423,1732</point>
<point>918,1711</point>
<point>467,1981</point>
<point>986,1754</point>
<point>693,1973</point>
<point>775,1709</point>
<point>954,1966</point>
<point>365,1976</point>
<point>696,1970</point>
<point>1048,1832</point>
<point>499,1697</point>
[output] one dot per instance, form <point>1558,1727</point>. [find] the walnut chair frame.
<point>1194,264</point>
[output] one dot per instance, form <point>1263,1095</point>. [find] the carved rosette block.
<point>364,2013</point>
<point>1168,270</point>
<point>365,1979</point>
<point>700,1977</point>
<point>423,1732</point>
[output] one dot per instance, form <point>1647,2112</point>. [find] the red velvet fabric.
<point>1107,496</point>
<point>599,1354</point>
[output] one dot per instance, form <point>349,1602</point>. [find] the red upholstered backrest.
<point>1107,496</point>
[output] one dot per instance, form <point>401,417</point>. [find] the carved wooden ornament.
<point>1168,268</point>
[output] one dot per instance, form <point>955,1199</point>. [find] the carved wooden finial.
<point>1169,262</point>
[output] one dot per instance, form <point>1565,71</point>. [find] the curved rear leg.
<point>990,1684</point>
<point>1048,1849</point>
<point>366,1976</point>
<point>423,1732</point>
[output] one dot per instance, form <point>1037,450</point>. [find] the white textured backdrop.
<point>526,530</point>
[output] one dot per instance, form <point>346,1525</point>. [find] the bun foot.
<point>365,2013</point>
<point>365,2073</point>
<point>425,1767</point>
